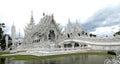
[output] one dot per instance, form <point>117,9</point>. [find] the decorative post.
<point>6,39</point>
<point>62,46</point>
<point>79,45</point>
<point>73,45</point>
<point>13,33</point>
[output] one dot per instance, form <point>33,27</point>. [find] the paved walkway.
<point>48,53</point>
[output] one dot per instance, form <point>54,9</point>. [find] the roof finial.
<point>13,24</point>
<point>31,14</point>
<point>32,20</point>
<point>19,32</point>
<point>43,14</point>
<point>69,21</point>
<point>77,21</point>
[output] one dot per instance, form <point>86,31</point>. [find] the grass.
<point>30,57</point>
<point>23,57</point>
<point>1,53</point>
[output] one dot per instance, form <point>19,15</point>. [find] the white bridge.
<point>93,43</point>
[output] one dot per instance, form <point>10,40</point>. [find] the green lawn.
<point>4,53</point>
<point>29,57</point>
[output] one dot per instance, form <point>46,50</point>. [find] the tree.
<point>2,37</point>
<point>3,44</point>
<point>117,33</point>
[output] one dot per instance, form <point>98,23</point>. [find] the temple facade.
<point>47,35</point>
<point>46,30</point>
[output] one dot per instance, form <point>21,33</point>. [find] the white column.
<point>13,42</point>
<point>73,45</point>
<point>6,39</point>
<point>62,46</point>
<point>79,45</point>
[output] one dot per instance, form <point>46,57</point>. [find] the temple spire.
<point>69,23</point>
<point>19,33</point>
<point>31,13</point>
<point>32,19</point>
<point>77,24</point>
<point>13,34</point>
<point>13,24</point>
<point>78,27</point>
<point>43,14</point>
<point>69,28</point>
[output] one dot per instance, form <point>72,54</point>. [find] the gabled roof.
<point>47,22</point>
<point>77,27</point>
<point>69,28</point>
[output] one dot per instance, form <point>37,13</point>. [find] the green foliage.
<point>117,33</point>
<point>4,53</point>
<point>23,57</point>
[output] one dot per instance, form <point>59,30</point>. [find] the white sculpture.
<point>6,40</point>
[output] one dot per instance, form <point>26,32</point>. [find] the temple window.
<point>68,35</point>
<point>78,34</point>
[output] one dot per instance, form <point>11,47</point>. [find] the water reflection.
<point>2,61</point>
<point>81,59</point>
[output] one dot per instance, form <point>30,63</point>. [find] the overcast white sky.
<point>19,11</point>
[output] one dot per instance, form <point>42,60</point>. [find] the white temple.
<point>47,35</point>
<point>15,41</point>
<point>13,34</point>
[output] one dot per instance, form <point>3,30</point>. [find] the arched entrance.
<point>51,35</point>
<point>76,45</point>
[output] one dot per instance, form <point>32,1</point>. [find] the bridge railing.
<point>92,39</point>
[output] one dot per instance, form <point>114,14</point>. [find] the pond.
<point>76,59</point>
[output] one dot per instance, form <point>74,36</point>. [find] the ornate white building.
<point>45,30</point>
<point>47,34</point>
